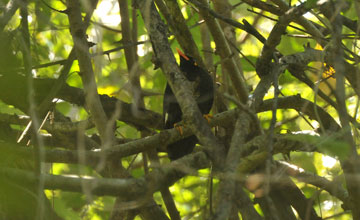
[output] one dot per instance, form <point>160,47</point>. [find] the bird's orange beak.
<point>182,54</point>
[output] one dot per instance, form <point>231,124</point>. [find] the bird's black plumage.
<point>203,91</point>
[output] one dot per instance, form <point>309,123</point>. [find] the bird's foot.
<point>208,117</point>
<point>179,128</point>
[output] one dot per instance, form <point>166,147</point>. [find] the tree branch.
<point>87,74</point>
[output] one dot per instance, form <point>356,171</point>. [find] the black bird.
<point>203,91</point>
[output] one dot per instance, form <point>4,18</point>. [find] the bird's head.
<point>188,65</point>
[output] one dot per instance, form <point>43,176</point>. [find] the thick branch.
<point>228,185</point>
<point>10,10</point>
<point>13,90</point>
<point>305,106</point>
<point>87,74</point>
<point>332,187</point>
<point>169,136</point>
<point>351,165</point>
<point>128,187</point>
